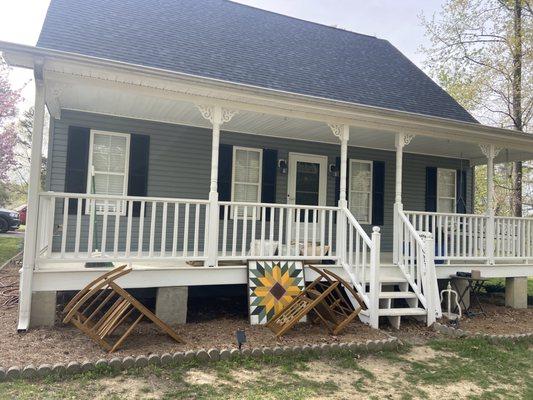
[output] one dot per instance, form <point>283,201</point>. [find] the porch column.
<point>490,151</point>
<point>401,140</point>
<point>342,131</point>
<point>217,116</point>
<point>34,186</point>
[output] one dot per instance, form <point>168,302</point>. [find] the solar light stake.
<point>241,337</point>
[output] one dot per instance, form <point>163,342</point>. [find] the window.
<point>246,186</point>
<point>446,190</point>
<point>360,190</point>
<point>108,167</point>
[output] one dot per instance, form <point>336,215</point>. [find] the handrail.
<point>360,258</point>
<point>357,226</point>
<point>295,206</point>
<point>120,197</point>
<point>417,262</point>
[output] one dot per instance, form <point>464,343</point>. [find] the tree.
<point>9,98</point>
<point>482,53</point>
<point>24,131</point>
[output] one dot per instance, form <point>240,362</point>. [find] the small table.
<point>474,285</point>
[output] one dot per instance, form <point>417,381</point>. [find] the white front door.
<point>307,179</point>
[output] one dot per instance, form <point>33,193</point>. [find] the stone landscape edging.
<point>123,363</point>
<point>457,332</point>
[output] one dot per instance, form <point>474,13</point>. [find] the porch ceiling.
<point>83,96</point>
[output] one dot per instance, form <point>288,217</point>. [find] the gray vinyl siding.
<point>180,158</point>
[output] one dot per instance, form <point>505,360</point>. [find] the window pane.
<point>99,184</point>
<point>116,185</point>
<point>247,168</point>
<point>117,162</point>
<point>101,162</point>
<point>101,144</point>
<point>446,205</point>
<point>360,205</point>
<point>360,176</point>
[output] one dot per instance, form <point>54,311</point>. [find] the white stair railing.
<point>360,258</point>
<point>416,260</point>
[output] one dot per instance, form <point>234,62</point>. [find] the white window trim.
<point>350,197</point>
<point>90,166</point>
<point>454,190</point>
<point>233,182</point>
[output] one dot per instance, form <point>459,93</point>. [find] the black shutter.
<point>77,163</point>
<point>378,192</point>
<point>225,165</point>
<point>138,171</point>
<point>268,179</point>
<point>338,180</point>
<point>431,189</point>
<point>461,192</point>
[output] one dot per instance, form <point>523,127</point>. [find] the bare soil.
<point>499,320</point>
<point>64,343</point>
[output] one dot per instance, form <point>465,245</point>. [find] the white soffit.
<point>131,104</point>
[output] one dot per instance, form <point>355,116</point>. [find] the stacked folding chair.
<point>325,299</point>
<point>103,309</point>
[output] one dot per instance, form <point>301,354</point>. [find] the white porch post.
<point>217,116</point>
<point>401,141</point>
<point>490,151</point>
<point>34,186</point>
<point>342,131</point>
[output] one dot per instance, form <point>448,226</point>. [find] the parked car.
<point>22,210</point>
<point>9,220</point>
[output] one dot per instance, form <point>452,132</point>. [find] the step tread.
<point>389,312</point>
<point>397,295</point>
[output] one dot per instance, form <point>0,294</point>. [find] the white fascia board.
<point>257,99</point>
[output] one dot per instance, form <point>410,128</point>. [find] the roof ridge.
<point>302,20</point>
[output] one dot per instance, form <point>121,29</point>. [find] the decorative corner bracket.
<point>403,139</point>
<point>216,114</point>
<point>339,131</point>
<point>489,150</point>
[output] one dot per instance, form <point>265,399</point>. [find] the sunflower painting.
<point>272,285</point>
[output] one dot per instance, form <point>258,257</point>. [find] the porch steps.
<point>401,312</point>
<point>397,295</point>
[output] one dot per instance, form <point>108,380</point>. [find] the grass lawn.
<point>441,369</point>
<point>9,247</point>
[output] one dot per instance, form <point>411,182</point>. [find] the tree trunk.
<point>516,198</point>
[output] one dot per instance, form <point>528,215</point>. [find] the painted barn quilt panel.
<point>271,287</point>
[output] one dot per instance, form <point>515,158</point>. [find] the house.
<point>188,137</point>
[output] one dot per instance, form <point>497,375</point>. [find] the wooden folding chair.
<point>299,307</point>
<point>325,298</point>
<point>336,310</point>
<point>100,308</point>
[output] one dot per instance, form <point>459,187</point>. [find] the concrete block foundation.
<point>43,309</point>
<point>516,292</point>
<point>171,304</point>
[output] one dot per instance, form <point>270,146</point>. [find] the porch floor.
<point>62,274</point>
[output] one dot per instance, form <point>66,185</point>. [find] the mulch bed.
<point>65,343</point>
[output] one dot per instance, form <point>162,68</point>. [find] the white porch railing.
<point>417,263</point>
<point>276,231</point>
<point>120,228</point>
<point>513,238</point>
<point>88,227</point>
<point>476,237</point>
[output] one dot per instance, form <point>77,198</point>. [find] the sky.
<point>394,20</point>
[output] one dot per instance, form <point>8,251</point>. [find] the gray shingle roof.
<point>229,41</point>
